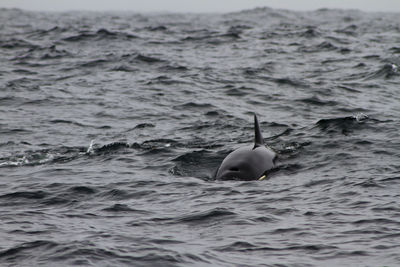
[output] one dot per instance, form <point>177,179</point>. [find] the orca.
<point>252,162</point>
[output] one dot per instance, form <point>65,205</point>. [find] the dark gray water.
<point>112,124</point>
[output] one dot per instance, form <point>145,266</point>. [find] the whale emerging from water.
<point>252,162</point>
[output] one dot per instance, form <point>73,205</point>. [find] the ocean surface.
<point>112,125</point>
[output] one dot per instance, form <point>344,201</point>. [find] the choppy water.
<point>112,124</point>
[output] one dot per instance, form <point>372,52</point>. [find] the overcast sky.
<point>198,5</point>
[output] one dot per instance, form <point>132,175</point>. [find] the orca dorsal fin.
<point>258,139</point>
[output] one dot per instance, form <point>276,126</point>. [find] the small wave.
<point>310,32</point>
<point>191,157</point>
<point>144,125</point>
<point>232,33</point>
<point>289,169</point>
<point>214,38</point>
<point>315,100</point>
<point>349,88</point>
<point>198,35</point>
<point>99,35</point>
<point>350,30</point>
<point>377,221</point>
<point>111,148</point>
<point>386,72</point>
<point>326,46</point>
<point>118,194</point>
<point>165,80</point>
<point>288,81</point>
<point>194,106</point>
<point>236,246</point>
<point>56,30</point>
<point>280,231</point>
<point>29,159</point>
<point>319,182</point>
<point>53,53</point>
<point>395,50</point>
<point>24,83</point>
<point>161,28</point>
<point>343,254</point>
<point>124,68</point>
<point>343,124</point>
<point>195,164</point>
<point>238,91</point>
<point>79,37</point>
<point>44,156</point>
<point>7,143</point>
<point>66,122</point>
<point>9,101</point>
<point>25,250</point>
<point>25,72</point>
<point>93,63</point>
<point>163,142</point>
<point>123,208</point>
<point>47,198</point>
<point>115,194</point>
<point>206,216</point>
<point>25,195</point>
<point>369,183</point>
<point>248,247</point>
<point>16,43</point>
<point>174,68</point>
<point>148,59</point>
<point>58,201</point>
<point>84,190</point>
<point>87,253</point>
<point>321,47</point>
